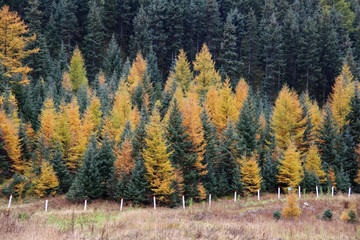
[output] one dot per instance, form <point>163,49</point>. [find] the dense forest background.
<point>133,98</point>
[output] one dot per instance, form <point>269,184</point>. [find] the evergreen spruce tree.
<point>342,181</point>
<point>87,184</point>
<point>229,59</point>
<point>94,41</point>
<point>62,173</point>
<point>112,59</point>
<point>67,23</point>
<point>268,173</point>
<point>354,117</point>
<point>213,27</point>
<point>141,40</point>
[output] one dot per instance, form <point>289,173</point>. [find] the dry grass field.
<point>246,219</point>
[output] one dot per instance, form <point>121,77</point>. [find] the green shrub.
<point>276,215</point>
<point>327,215</point>
<point>352,216</point>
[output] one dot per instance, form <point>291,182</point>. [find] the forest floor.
<point>248,218</point>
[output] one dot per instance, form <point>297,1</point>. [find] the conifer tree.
<point>353,118</point>
<point>48,122</point>
<point>182,72</point>
<point>136,188</point>
<point>77,71</point>
<point>94,40</point>
<point>313,163</point>
<point>13,38</point>
<point>287,119</point>
<point>47,182</point>
<point>141,40</point>
<point>269,171</point>
<point>207,75</point>
<point>229,59</point>
<point>112,60</point>
<point>124,163</point>
<point>250,174</point>
<point>291,210</point>
<point>290,170</point>
<point>213,26</point>
<point>160,172</point>
<point>61,171</point>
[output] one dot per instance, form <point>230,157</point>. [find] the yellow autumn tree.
<point>332,176</point>
<point>241,94</point>
<point>290,170</point>
<point>191,111</point>
<point>48,122</point>
<point>250,174</point>
<point>14,38</point>
<point>47,183</point>
<point>182,72</point>
<point>136,73</point>
<point>124,162</point>
<point>291,209</point>
<point>206,76</point>
<point>92,117</point>
<point>340,98</point>
<point>287,120</point>
<point>225,108</point>
<point>119,115</point>
<point>77,71</point>
<point>313,163</point>
<point>160,172</point>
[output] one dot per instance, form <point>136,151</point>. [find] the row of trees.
<point>300,43</point>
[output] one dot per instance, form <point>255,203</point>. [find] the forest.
<point>133,99</point>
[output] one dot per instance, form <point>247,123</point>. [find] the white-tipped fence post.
<point>259,194</point>
<point>183,198</point>
<point>10,201</point>
<point>121,204</point>
<point>317,191</point>
<point>85,203</point>
<point>278,192</point>
<point>235,196</point>
<point>154,202</point>
<point>209,200</point>
<point>332,191</point>
<point>299,191</point>
<point>46,204</point>
<point>349,191</point>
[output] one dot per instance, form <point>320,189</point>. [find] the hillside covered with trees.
<point>128,99</point>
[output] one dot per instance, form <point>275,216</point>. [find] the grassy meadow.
<point>246,219</point>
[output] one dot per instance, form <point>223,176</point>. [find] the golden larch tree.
<point>47,183</point>
<point>313,163</point>
<point>77,71</point>
<point>287,120</point>
<point>14,37</point>
<point>207,75</point>
<point>290,169</point>
<point>160,172</point>
<point>124,162</point>
<point>182,72</point>
<point>340,98</point>
<point>136,74</point>
<point>250,174</point>
<point>48,122</point>
<point>291,209</point>
<point>92,117</point>
<point>241,94</point>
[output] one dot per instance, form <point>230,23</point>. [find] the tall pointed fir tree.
<point>94,40</point>
<point>213,27</point>
<point>353,118</point>
<point>112,63</point>
<point>229,58</point>
<point>61,171</point>
<point>141,39</point>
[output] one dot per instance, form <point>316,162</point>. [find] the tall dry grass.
<point>246,219</point>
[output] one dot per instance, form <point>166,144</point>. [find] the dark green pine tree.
<point>350,58</point>
<point>309,55</point>
<point>62,173</point>
<point>157,12</point>
<point>213,27</point>
<point>227,164</point>
<point>112,17</point>
<point>87,184</point>
<point>112,60</point>
<point>329,142</point>
<point>153,70</point>
<point>290,47</point>
<point>269,171</point>
<point>52,35</point>
<point>342,181</point>
<point>307,138</point>
<point>355,34</point>
<point>177,11</point>
<point>182,156</point>
<point>330,57</point>
<point>67,23</point>
<point>247,133</point>
<point>196,26</point>
<point>105,163</point>
<point>354,117</point>
<point>310,181</point>
<point>210,154</point>
<point>347,154</point>
<point>135,190</point>
<point>39,61</point>
<point>82,98</point>
<point>273,58</point>
<point>4,161</point>
<point>141,39</point>
<point>251,47</point>
<point>94,41</point>
<point>238,20</point>
<point>230,64</point>
<point>138,140</point>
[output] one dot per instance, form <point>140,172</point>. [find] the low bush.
<point>327,215</point>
